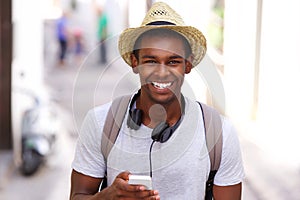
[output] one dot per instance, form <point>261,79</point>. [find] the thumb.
<point>124,175</point>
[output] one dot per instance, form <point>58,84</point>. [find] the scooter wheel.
<point>31,161</point>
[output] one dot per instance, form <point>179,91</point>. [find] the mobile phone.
<point>141,180</point>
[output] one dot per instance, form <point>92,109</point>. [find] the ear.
<point>188,64</point>
<point>134,63</point>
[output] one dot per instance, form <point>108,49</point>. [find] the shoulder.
<point>94,119</point>
<point>191,106</point>
<point>231,170</point>
<point>88,158</point>
<point>99,113</point>
<point>229,130</point>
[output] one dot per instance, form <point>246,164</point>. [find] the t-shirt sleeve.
<point>88,158</point>
<point>231,169</point>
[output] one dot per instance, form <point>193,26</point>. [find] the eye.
<point>149,62</point>
<point>175,62</point>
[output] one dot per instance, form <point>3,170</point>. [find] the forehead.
<point>171,44</point>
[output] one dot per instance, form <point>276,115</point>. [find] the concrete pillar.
<point>261,51</point>
<point>28,39</point>
<point>240,35</point>
<point>278,103</point>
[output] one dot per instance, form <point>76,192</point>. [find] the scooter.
<point>39,131</point>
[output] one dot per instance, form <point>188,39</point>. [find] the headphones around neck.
<point>162,132</point>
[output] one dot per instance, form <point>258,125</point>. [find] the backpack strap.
<point>112,126</point>
<point>214,142</point>
<point>113,123</point>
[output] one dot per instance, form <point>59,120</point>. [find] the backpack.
<point>212,126</point>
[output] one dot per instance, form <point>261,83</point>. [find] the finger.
<point>150,194</point>
<point>124,175</point>
<point>123,185</point>
<point>145,194</point>
<point>121,182</point>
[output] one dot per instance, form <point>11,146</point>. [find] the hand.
<point>120,189</point>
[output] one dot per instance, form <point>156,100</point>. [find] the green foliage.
<point>215,28</point>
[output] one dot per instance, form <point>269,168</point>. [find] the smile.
<point>161,85</point>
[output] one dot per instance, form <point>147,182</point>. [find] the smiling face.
<point>161,63</point>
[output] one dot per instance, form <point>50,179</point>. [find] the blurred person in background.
<point>102,34</point>
<point>62,34</point>
<point>161,52</point>
<point>78,44</point>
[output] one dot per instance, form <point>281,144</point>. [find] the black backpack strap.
<point>214,141</point>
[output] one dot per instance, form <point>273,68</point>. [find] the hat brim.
<point>195,38</point>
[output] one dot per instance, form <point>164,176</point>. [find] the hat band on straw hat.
<point>157,23</point>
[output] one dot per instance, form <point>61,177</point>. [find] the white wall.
<point>279,98</point>
<point>239,56</point>
<point>27,59</point>
<point>275,129</point>
<point>28,38</point>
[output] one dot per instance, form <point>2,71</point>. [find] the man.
<point>62,33</point>
<point>102,34</point>
<point>161,52</point>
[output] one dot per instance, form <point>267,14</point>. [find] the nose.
<point>162,70</point>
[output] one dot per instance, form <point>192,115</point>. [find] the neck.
<point>154,113</point>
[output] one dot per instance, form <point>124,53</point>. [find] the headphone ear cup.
<point>134,120</point>
<point>161,133</point>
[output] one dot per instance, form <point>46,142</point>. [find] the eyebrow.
<point>174,57</point>
<point>148,56</point>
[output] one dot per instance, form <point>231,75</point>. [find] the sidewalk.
<point>6,167</point>
<point>49,183</point>
<point>266,177</point>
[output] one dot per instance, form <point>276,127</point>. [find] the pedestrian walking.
<point>102,34</point>
<point>62,34</point>
<point>162,135</point>
<point>78,44</point>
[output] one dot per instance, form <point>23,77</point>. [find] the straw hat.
<point>161,15</point>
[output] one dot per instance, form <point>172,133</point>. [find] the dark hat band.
<point>157,23</point>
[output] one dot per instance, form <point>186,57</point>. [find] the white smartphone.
<point>141,180</point>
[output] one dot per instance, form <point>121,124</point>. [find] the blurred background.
<point>59,58</point>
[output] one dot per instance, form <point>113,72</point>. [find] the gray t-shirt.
<point>180,166</point>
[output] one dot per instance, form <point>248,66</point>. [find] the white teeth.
<point>161,85</point>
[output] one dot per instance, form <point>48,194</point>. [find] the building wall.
<point>27,63</point>
<point>239,56</point>
<point>262,66</point>
<point>278,105</point>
